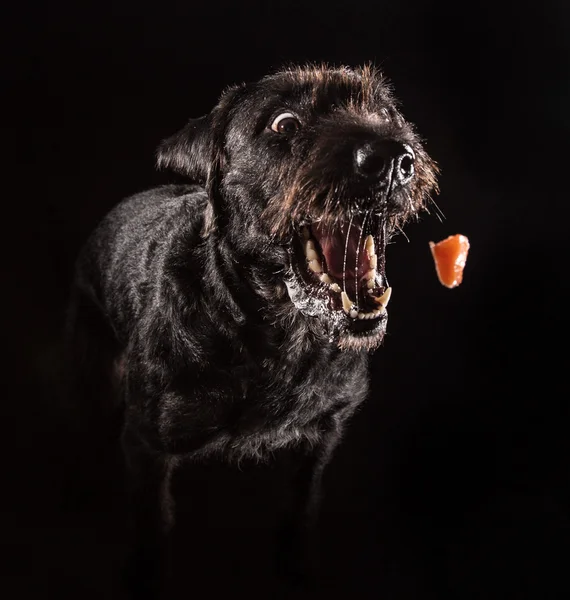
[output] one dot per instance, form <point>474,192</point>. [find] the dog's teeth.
<point>335,287</point>
<point>373,261</point>
<point>353,314</point>
<point>315,266</point>
<point>369,244</point>
<point>384,298</point>
<point>311,251</point>
<point>325,278</point>
<point>311,254</point>
<point>371,277</point>
<point>346,302</point>
<point>370,284</point>
<point>372,315</point>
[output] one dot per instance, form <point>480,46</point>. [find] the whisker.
<point>440,212</point>
<point>403,233</point>
<point>366,214</point>
<point>346,253</point>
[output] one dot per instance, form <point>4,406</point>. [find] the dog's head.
<point>311,170</point>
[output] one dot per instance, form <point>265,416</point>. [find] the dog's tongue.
<point>343,251</point>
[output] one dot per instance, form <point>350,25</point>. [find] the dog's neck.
<point>255,296</point>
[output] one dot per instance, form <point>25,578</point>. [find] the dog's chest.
<point>280,406</point>
<point>301,389</point>
<point>250,409</point>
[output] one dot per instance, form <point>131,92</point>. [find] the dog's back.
<point>122,263</point>
<point>119,271</point>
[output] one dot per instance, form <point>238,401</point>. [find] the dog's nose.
<point>385,161</point>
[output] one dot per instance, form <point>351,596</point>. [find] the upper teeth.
<point>315,265</point>
<point>310,250</point>
<point>384,298</point>
<point>369,245</point>
<point>346,302</point>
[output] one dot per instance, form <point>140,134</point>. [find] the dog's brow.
<point>334,94</point>
<point>289,92</point>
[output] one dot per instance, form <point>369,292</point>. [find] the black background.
<point>453,479</point>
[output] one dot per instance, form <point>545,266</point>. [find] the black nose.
<point>388,162</point>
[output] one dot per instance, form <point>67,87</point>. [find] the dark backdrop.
<point>453,479</point>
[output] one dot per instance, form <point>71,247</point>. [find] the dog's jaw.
<point>339,328</point>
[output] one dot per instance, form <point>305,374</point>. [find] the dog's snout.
<point>385,161</point>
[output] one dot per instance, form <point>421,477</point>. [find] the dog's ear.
<point>189,151</point>
<point>195,151</point>
<point>198,151</point>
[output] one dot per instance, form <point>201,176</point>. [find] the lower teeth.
<point>382,302</point>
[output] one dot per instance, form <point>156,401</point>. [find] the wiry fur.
<point>184,287</point>
<point>314,186</point>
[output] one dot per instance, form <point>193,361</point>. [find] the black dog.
<point>232,318</point>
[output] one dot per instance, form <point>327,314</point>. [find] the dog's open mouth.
<point>342,271</point>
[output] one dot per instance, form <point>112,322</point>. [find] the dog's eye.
<point>286,123</point>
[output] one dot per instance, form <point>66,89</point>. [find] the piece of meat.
<point>450,255</point>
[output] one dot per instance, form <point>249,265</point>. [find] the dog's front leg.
<point>298,548</point>
<point>150,515</point>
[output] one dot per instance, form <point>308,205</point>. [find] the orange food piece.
<point>450,255</point>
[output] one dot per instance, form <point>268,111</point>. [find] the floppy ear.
<point>197,150</point>
<point>188,152</point>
